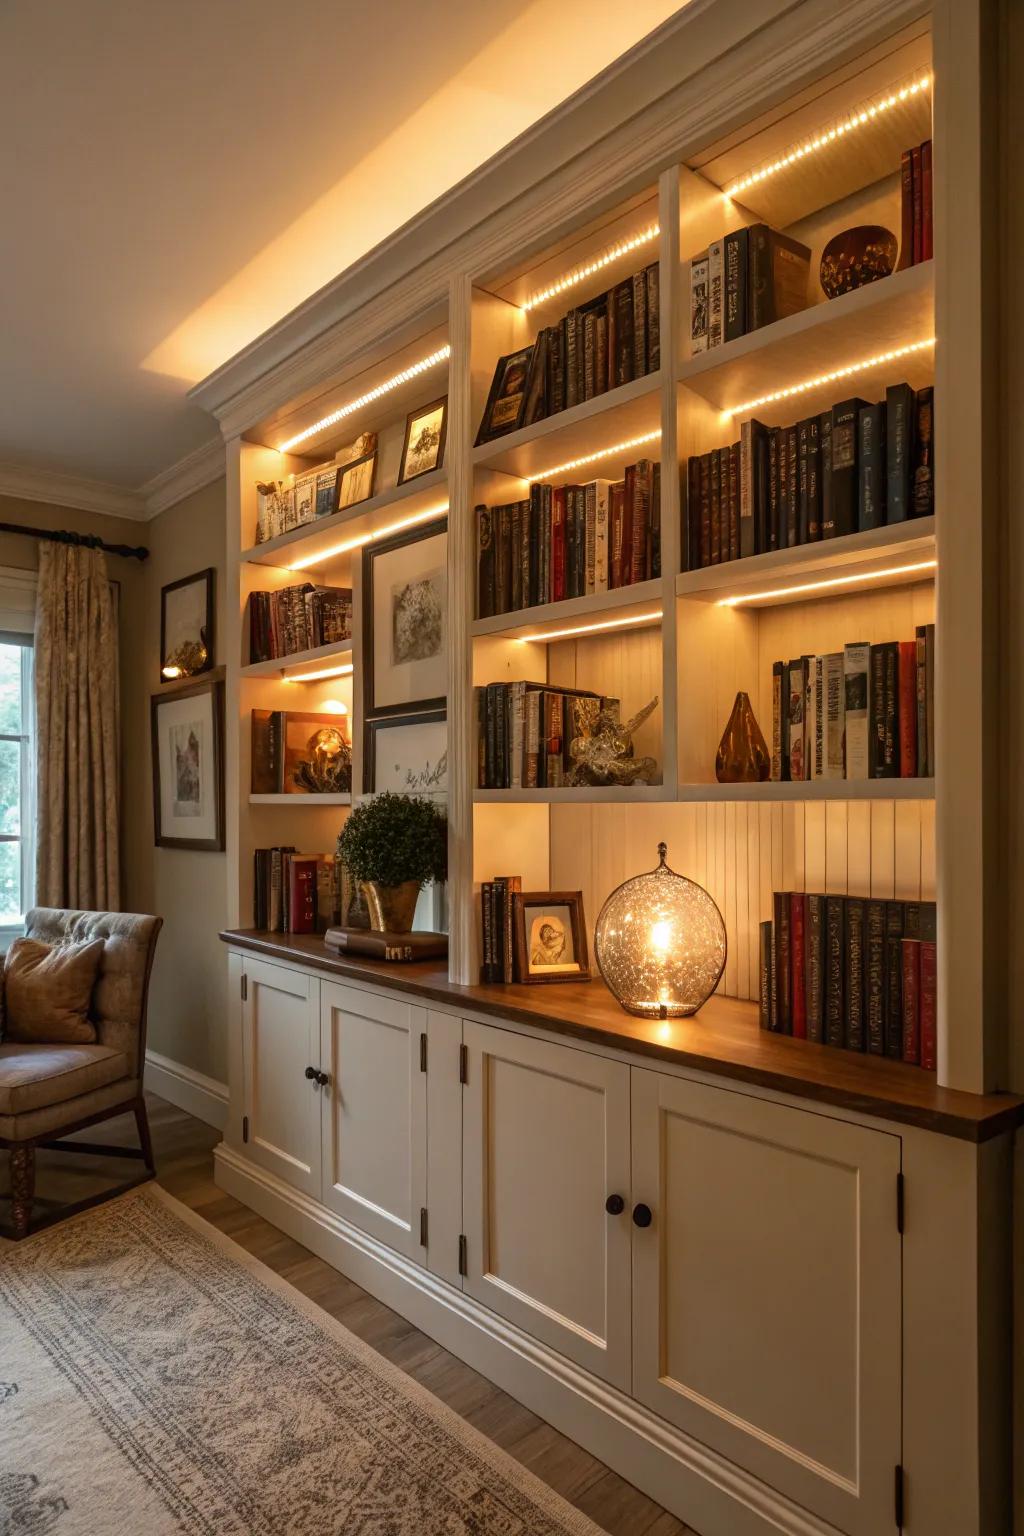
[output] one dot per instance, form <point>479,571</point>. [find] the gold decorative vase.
<point>742,757</point>
<point>391,907</point>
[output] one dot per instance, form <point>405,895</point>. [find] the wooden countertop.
<point>723,1039</point>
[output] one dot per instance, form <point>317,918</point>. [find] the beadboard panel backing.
<point>741,853</point>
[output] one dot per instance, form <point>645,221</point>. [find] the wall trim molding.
<point>185,1088</point>
<point>196,470</point>
<point>60,490</point>
<point>703,1488</point>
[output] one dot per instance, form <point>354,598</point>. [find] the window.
<point>17,780</point>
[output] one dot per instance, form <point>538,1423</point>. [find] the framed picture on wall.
<point>407,754</point>
<point>186,625</point>
<point>187,729</point>
<point>405,596</point>
<point>425,432</point>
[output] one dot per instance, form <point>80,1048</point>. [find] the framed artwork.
<point>506,403</point>
<point>425,432</point>
<point>407,754</point>
<point>550,936</point>
<point>405,594</point>
<point>354,482</point>
<point>188,767</point>
<point>186,625</point>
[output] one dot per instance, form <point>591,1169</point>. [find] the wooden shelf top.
<point>723,1039</point>
<point>278,665</point>
<point>316,540</point>
<point>307,799</point>
<point>813,789</point>
<point>616,416</point>
<point>618,604</point>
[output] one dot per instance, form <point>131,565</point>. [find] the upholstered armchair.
<point>49,1091</point>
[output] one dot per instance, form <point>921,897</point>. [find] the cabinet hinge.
<point>463,1063</point>
<point>899,1202</point>
<point>897,1498</point>
<point>423,1226</point>
<point>245,1127</point>
<point>423,1051</point>
<point>245,986</point>
<point>463,1266</point>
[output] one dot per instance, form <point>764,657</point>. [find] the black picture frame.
<point>372,555</point>
<point>207,632</point>
<point>213,686</point>
<point>500,398</point>
<point>344,470</point>
<point>371,733</point>
<point>410,420</point>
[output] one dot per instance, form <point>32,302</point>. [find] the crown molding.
<point>197,469</point>
<point>60,490</point>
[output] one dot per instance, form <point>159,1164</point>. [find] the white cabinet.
<point>766,1291</point>
<point>280,1040</point>
<point>545,1143</point>
<point>374,1113</point>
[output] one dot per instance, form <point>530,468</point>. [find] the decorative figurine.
<point>855,257</point>
<point>604,755</point>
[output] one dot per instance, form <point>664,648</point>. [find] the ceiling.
<point>177,175</point>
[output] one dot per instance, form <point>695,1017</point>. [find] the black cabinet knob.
<point>615,1205</point>
<point>311,1074</point>
<point>642,1216</point>
<point>323,1079</point>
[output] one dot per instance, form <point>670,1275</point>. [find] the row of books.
<point>569,541</point>
<point>865,712</point>
<point>853,467</point>
<point>916,205</point>
<point>608,341</point>
<point>299,618</point>
<point>497,951</point>
<point>295,892</point>
<point>750,278</point>
<point>295,500</point>
<point>525,733</point>
<point>851,972</point>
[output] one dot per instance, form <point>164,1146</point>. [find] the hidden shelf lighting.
<point>322,556</point>
<point>828,583</point>
<point>858,118</point>
<point>592,458</point>
<point>587,269</point>
<point>440,356</point>
<point>878,360</point>
<point>317,677</point>
<point>630,622</point>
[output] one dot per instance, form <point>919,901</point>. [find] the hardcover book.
<point>855,1013</point>
<point>699,306</point>
<point>814,966</point>
<point>844,492</point>
<point>736,284</point>
<point>779,273</point>
<point>834,967</point>
<point>899,451</point>
<point>856,666</point>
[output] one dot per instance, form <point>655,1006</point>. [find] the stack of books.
<point>853,467</point>
<point>916,205</point>
<point>865,712</point>
<point>497,962</point>
<point>750,278</point>
<point>569,541</point>
<point>295,892</point>
<point>525,732</point>
<point>297,618</point>
<point>852,972</point>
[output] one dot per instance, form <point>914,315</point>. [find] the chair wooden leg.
<point>145,1140</point>
<point>23,1185</point>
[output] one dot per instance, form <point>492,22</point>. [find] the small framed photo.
<point>186,626</point>
<point>405,584</point>
<point>425,432</point>
<point>506,403</point>
<point>550,936</point>
<point>188,767</point>
<point>354,482</point>
<point>407,754</point>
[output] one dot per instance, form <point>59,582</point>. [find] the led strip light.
<point>306,561</point>
<point>831,377</point>
<point>440,356</point>
<point>315,677</point>
<point>579,274</point>
<point>592,458</point>
<point>827,583</point>
<point>857,119</point>
<point>630,622</point>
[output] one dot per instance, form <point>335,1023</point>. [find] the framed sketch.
<point>188,767</point>
<point>407,754</point>
<point>186,625</point>
<point>425,432</point>
<point>354,482</point>
<point>506,403</point>
<point>405,594</point>
<point>550,936</point>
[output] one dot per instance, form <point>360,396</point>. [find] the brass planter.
<point>391,907</point>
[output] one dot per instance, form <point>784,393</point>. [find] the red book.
<point>908,709</point>
<point>918,207</point>
<point>926,200</point>
<point>302,894</point>
<point>927,1005</point>
<point>798,994</point>
<point>911,1000</point>
<point>558,543</point>
<point>906,210</point>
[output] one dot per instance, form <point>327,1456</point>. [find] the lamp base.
<point>660,1010</point>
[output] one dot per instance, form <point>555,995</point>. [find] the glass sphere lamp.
<point>661,944</point>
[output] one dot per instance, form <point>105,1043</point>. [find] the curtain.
<point>77,731</point>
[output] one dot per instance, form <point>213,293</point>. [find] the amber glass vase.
<point>742,756</point>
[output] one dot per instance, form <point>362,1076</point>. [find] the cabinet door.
<point>280,1039</point>
<point>545,1142</point>
<point>375,1114</point>
<point>767,1291</point>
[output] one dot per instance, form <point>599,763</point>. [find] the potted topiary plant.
<point>393,845</point>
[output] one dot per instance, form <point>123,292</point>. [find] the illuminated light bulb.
<point>587,269</point>
<point>322,556</point>
<point>877,361</point>
<point>630,622</point>
<point>826,583</point>
<point>592,458</point>
<point>171,671</point>
<point>412,372</point>
<point>333,707</point>
<point>317,677</point>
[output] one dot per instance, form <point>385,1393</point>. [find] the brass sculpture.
<point>604,754</point>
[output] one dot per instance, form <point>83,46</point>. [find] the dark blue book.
<point>899,452</point>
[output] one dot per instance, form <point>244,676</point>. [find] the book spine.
<point>652,277</point>
<point>699,304</point>
<point>929,633</point>
<point>911,986</point>
<point>894,979</point>
<point>835,716</point>
<point>834,955</point>
<point>518,723</point>
<point>921,698</point>
<point>918,206</point>
<point>733,453</point>
<point>885,703</point>
<point>922,499</point>
<point>746,488</point>
<point>759,276</point>
<point>532,746</point>
<point>872,470</point>
<point>783,961</point>
<point>818,731</point>
<point>690,530</point>
<point>927,1004</point>
<point>824,474</point>
<point>764,994</point>
<point>778,686</point>
<point>716,276</point>
<point>558,544</point>
<point>798,978</point>
<point>590,355</point>
<point>735,324</point>
<point>600,352</point>
<point>640,558</point>
<point>856,670</point>
<point>926,201</point>
<point>906,257</point>
<point>602,496</point>
<point>485,933</point>
<point>814,967</point>
<point>855,1030</point>
<point>801,529</point>
<point>716,506</point>
<point>908,708</point>
<point>590,537</point>
<point>623,333</point>
<point>792,500</point>
<point>899,451</point>
<point>844,494</point>
<point>570,347</point>
<point>796,692</point>
<point>484,563</point>
<point>874,977</point>
<point>776,475</point>
<point>639,325</point>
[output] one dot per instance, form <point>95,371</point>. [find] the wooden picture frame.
<point>187,606</point>
<point>421,459</point>
<point>431,781</point>
<point>506,401</point>
<point>189,743</point>
<point>405,673</point>
<point>354,481</point>
<point>529,938</point>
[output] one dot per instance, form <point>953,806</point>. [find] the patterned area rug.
<point>154,1379</point>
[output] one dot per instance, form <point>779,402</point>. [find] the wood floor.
<point>184,1157</point>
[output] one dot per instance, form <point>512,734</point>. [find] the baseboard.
<point>187,1089</point>
<point>703,1489</point>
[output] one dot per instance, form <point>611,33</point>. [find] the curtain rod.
<point>88,540</point>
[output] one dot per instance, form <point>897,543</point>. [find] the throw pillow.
<point>47,991</point>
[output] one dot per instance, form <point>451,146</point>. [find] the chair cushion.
<point>48,989</point>
<point>35,1076</point>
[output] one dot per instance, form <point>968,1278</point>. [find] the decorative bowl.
<point>857,256</point>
